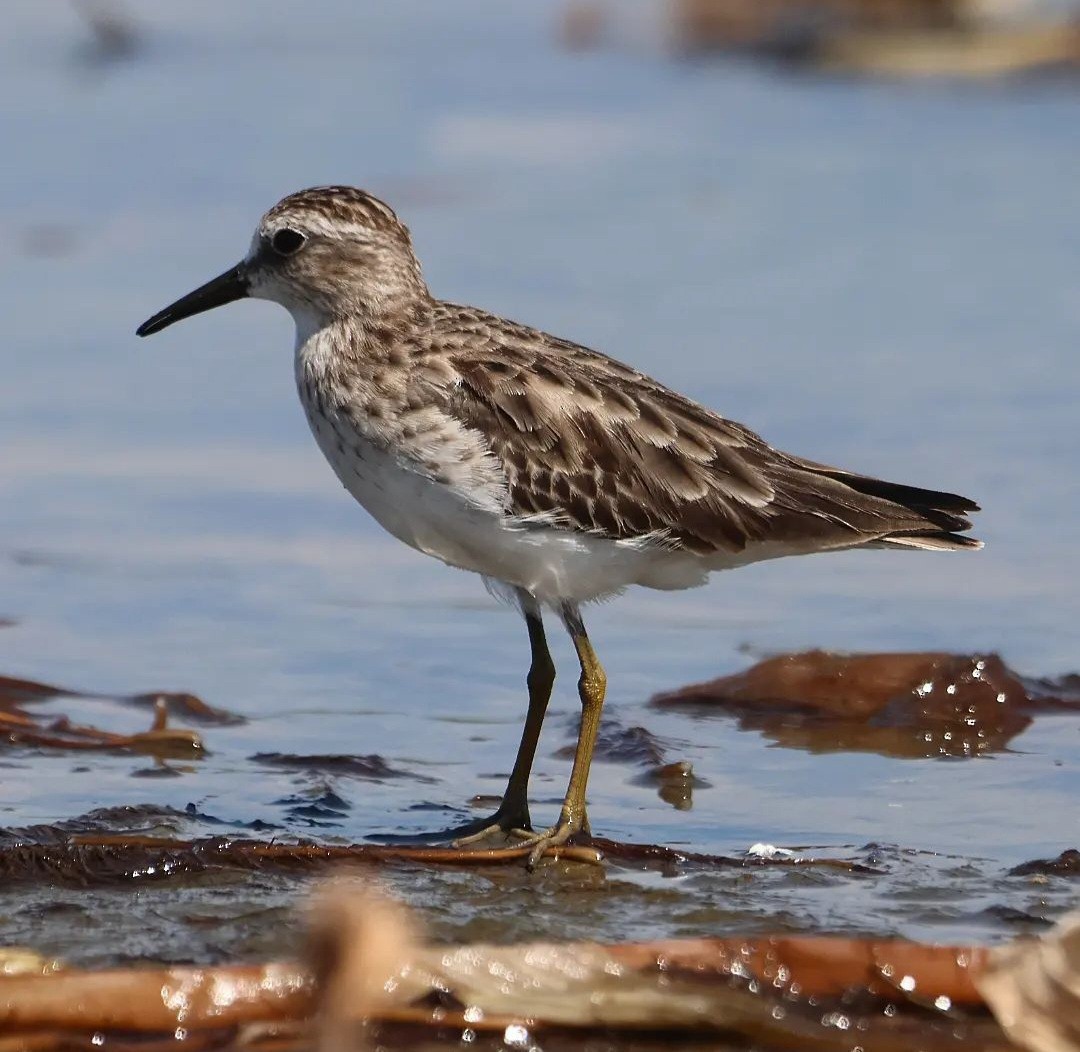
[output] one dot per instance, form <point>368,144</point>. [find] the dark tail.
<point>943,515</point>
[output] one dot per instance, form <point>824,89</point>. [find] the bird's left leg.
<point>513,812</point>
<point>592,686</point>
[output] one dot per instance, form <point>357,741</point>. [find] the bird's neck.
<point>374,321</point>
<point>335,348</point>
<point>326,347</point>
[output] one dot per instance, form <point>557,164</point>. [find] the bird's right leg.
<point>513,812</point>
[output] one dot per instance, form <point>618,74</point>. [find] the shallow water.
<point>877,276</point>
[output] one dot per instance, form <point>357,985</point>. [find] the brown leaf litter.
<point>91,858</point>
<point>903,705</point>
<point>21,726</point>
<point>368,975</point>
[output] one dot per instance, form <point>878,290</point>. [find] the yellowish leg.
<point>513,812</point>
<point>592,686</point>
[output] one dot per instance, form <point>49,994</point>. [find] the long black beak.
<point>232,285</point>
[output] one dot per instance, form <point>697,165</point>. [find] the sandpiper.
<point>559,474</point>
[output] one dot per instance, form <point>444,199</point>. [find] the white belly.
<point>551,564</point>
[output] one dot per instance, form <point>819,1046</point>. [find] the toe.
<point>474,838</point>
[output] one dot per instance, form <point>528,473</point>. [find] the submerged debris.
<point>675,783</point>
<point>616,743</point>
<point>370,767</point>
<point>1067,864</point>
<point>16,728</point>
<point>15,692</point>
<point>903,705</point>
<point>20,726</point>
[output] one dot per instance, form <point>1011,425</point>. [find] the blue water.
<point>879,276</point>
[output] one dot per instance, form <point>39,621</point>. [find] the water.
<point>877,276</point>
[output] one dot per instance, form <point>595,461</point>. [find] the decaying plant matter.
<point>366,968</point>
<point>20,725</point>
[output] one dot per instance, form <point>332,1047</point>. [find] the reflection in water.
<point>639,747</point>
<point>675,783</point>
<point>372,766</point>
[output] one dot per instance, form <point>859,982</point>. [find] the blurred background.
<point>850,224</point>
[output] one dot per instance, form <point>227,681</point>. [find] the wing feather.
<point>587,443</point>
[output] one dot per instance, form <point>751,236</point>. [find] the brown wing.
<point>589,443</point>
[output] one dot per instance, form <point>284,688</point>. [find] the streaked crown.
<point>334,250</point>
<point>336,208</point>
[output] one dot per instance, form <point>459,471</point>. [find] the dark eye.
<point>286,241</point>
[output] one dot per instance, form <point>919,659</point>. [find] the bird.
<point>559,474</point>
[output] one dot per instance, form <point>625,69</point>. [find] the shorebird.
<point>559,474</point>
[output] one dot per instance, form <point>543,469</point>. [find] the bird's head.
<point>331,251</point>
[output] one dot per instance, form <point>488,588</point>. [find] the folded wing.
<point>588,443</point>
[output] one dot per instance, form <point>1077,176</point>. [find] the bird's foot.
<point>511,819</point>
<point>568,826</point>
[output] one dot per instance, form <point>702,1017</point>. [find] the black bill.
<point>232,285</point>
